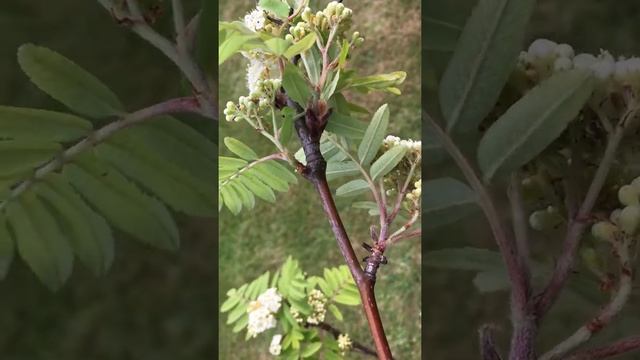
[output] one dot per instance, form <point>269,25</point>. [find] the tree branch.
<point>619,347</point>
<point>520,223</point>
<point>134,18</point>
<point>488,349</point>
<point>179,105</point>
<point>309,131</point>
<point>356,345</point>
<point>619,299</point>
<point>577,226</point>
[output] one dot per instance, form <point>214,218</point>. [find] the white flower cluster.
<point>544,57</point>
<point>413,146</point>
<point>275,348</point>
<point>318,302</point>
<point>260,99</point>
<point>261,312</point>
<point>344,343</point>
<point>256,19</point>
<point>414,195</point>
<point>295,314</point>
<point>625,220</point>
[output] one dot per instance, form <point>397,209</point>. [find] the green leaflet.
<point>279,8</point>
<point>277,45</point>
<point>533,122</point>
<point>122,203</point>
<point>87,232</point>
<point>40,241</point>
<point>301,46</point>
<point>445,201</point>
<point>385,82</point>
<point>485,55</point>
<point>7,247</point>
<point>68,83</point>
<point>467,258</point>
<point>19,156</point>
<point>232,45</point>
<point>374,135</point>
<point>295,85</point>
<point>338,169</point>
<point>239,181</point>
<point>239,148</point>
<point>330,86</point>
<point>387,162</point>
<point>347,126</point>
<point>174,184</point>
<point>352,188</point>
<point>312,64</point>
<point>41,125</point>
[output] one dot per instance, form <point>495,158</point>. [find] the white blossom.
<point>260,320</point>
<point>271,300</point>
<point>584,61</point>
<point>562,63</point>
<point>344,342</point>
<point>255,19</point>
<point>564,51</point>
<point>275,348</point>
<point>542,48</point>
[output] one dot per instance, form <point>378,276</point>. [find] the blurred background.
<point>260,239</point>
<point>454,309</point>
<point>152,304</point>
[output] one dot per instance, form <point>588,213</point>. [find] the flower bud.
<point>604,231</point>
<point>562,63</point>
<point>636,184</point>
<point>603,69</point>
<point>583,61</point>
<point>590,258</point>
<point>628,195</point>
<point>629,219</point>
<point>564,51</point>
<point>542,48</point>
<point>546,219</point>
<point>289,37</point>
<point>615,216</point>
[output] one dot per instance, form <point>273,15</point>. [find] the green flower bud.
<point>590,258</point>
<point>229,117</point>
<point>636,183</point>
<point>306,14</point>
<point>604,231</point>
<point>629,219</point>
<point>288,37</point>
<point>542,220</point>
<point>359,41</point>
<point>615,216</point>
<point>628,195</point>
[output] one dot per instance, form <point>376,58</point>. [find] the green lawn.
<point>260,239</point>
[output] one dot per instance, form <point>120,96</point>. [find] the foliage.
<point>296,319</point>
<point>304,58</point>
<point>545,129</point>
<point>67,180</point>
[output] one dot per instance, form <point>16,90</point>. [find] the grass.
<point>260,239</point>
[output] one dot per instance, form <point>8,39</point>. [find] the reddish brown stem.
<point>619,347</point>
<point>315,172</point>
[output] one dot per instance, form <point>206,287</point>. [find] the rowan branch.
<point>619,347</point>
<point>179,105</point>
<point>315,172</point>
<point>133,17</point>
<point>621,247</point>
<point>577,226</point>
